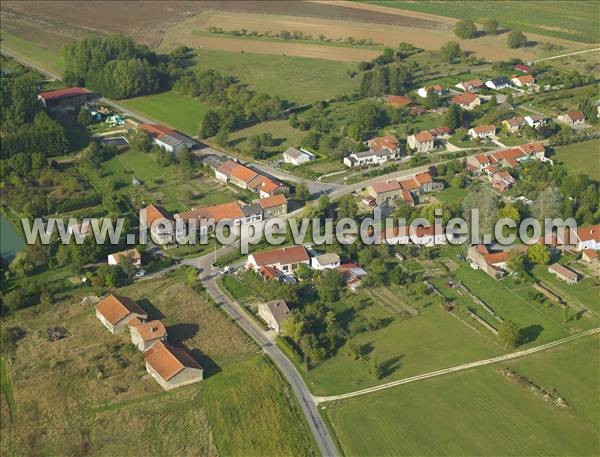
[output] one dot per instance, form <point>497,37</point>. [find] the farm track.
<point>465,366</point>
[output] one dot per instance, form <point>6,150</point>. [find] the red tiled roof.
<point>270,202</point>
<point>484,128</point>
<point>423,137</point>
<point>63,93</point>
<point>423,178</point>
<point>407,197</point>
<point>223,211</point>
<point>157,130</point>
<point>562,271</point>
<point>589,233</point>
<point>590,253</point>
<point>151,330</point>
<point>388,141</point>
<point>167,360</point>
<point>465,98</point>
<point>115,308</point>
<point>409,184</point>
<point>385,186</point>
<point>475,83</point>
<point>576,115</point>
<point>133,253</point>
<point>523,68</point>
<point>510,155</point>
<point>243,173</point>
<point>496,258</point>
<point>418,231</point>
<point>155,213</point>
<point>399,101</point>
<point>526,79</point>
<point>227,167</point>
<point>532,148</point>
<point>482,159</point>
<point>283,256</point>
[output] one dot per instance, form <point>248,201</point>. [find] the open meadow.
<point>480,411</point>
<point>581,158</point>
<point>98,399</point>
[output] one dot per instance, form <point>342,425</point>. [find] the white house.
<point>297,156</point>
<point>133,254</point>
<point>422,236</point>
<point>535,120</point>
<point>421,142</point>
<point>378,157</point>
<point>284,259</point>
<point>498,83</point>
<point>423,91</point>
<point>325,261</point>
<point>482,131</point>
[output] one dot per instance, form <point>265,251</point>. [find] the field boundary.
<point>465,366</point>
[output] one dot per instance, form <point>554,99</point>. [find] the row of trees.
<point>467,29</point>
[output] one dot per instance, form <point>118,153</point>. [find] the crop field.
<point>177,111</point>
<point>580,158</point>
<point>295,79</point>
<point>97,395</point>
<point>575,21</point>
<point>480,412</point>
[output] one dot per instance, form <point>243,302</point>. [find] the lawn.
<point>97,395</point>
<point>452,196</point>
<point>580,158</point>
<point>480,412</point>
<point>236,288</point>
<point>295,79</point>
<point>432,340</point>
<point>45,58</point>
<point>174,110</point>
<point>284,136</point>
<point>575,21</point>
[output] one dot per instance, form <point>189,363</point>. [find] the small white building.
<point>499,83</point>
<point>133,254</point>
<point>297,156</point>
<point>325,261</point>
<point>535,120</point>
<point>482,131</point>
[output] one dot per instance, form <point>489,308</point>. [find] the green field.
<point>580,158</point>
<point>577,21</point>
<point>176,111</point>
<point>480,412</point>
<point>98,397</point>
<point>45,58</point>
<point>295,79</point>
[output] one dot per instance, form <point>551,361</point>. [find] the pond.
<point>11,240</point>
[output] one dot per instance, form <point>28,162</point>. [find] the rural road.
<point>565,55</point>
<point>317,425</point>
<point>454,369</point>
<point>51,75</point>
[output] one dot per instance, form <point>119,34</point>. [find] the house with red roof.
<point>502,180</point>
<point>421,142</point>
<point>572,118</point>
<point>482,131</point>
<point>273,206</point>
<point>67,99</point>
<point>523,81</point>
<point>171,366</point>
<point>145,334</point>
<point>466,100</point>
<point>523,68</point>
<point>284,259</point>
<point>385,192</point>
<point>513,125</point>
<point>492,262</point>
<point>159,222</point>
<point>168,139</point>
<point>115,312</point>
<point>423,92</point>
<point>563,273</point>
<point>399,101</point>
<point>422,236</point>
<point>205,218</point>
<point>473,85</point>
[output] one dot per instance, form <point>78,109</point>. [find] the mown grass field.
<point>177,111</point>
<point>98,399</point>
<point>295,79</point>
<point>575,21</point>
<point>48,59</point>
<point>580,158</point>
<point>480,412</point>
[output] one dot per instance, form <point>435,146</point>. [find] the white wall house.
<point>297,156</point>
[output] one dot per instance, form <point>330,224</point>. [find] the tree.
<point>107,276</point>
<point>450,52</point>
<point>457,182</point>
<point>302,193</point>
<point>454,117</point>
<point>347,207</point>
<point>547,205</point>
<point>511,212</point>
<point>222,137</point>
<point>588,107</point>
<point>490,26</point>
<point>486,202</point>
<point>516,261</point>
<point>191,276</point>
<point>465,29</point>
<point>538,254</point>
<point>211,124</point>
<point>509,334</point>
<point>329,286</point>
<point>516,39</point>
<point>84,117</point>
<point>21,265</point>
<point>127,266</point>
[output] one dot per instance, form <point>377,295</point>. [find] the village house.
<point>498,83</point>
<point>399,101</point>
<point>384,192</point>
<point>297,156</point>
<point>160,223</point>
<point>536,150</point>
<point>285,259</point>
<point>421,142</point>
<point>273,313</point>
<point>206,218</point>
<point>171,366</point>
<point>572,118</point>
<point>133,254</point>
<point>588,238</point>
<point>168,139</point>
<point>388,142</point>
<point>493,263</point>
<point>513,125</point>
<point>466,100</point>
<point>145,334</point>
<point>275,206</point>
<point>422,236</point>
<point>523,68</point>
<point>424,91</point>
<point>477,163</point>
<point>563,273</point>
<point>523,81</point>
<point>589,255</point>
<point>68,99</point>
<point>482,131</point>
<point>115,312</point>
<point>535,120</point>
<point>325,261</point>
<point>473,85</point>
<point>351,275</point>
<point>245,178</point>
<point>381,149</point>
<point>502,180</point>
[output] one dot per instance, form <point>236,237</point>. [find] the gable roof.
<point>500,80</point>
<point>385,186</point>
<point>423,137</point>
<point>133,253</point>
<point>387,142</point>
<point>230,210</point>
<point>562,271</point>
<point>590,253</point>
<point>272,201</point>
<point>589,233</point>
<point>155,213</point>
<point>474,83</point>
<point>115,308</point>
<point>227,167</point>
<point>294,152</point>
<point>509,155</point>
<point>466,98</point>
<point>278,309</point>
<point>484,128</point>
<point>151,330</point>
<point>167,360</point>
<point>423,178</point>
<point>532,148</point>
<point>399,101</point>
<point>576,116</point>
<point>283,256</point>
<point>63,93</point>
<point>525,79</point>
<point>243,173</point>
<point>523,68</point>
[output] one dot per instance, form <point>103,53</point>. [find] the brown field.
<point>491,47</point>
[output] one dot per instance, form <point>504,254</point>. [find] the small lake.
<point>11,240</point>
